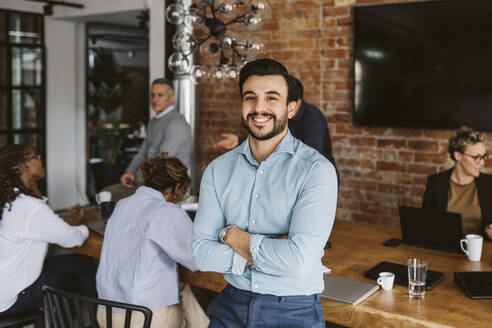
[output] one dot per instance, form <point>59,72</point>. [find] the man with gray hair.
<point>167,132</point>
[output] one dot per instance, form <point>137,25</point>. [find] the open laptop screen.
<point>431,229</point>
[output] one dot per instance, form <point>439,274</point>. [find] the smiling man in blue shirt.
<point>271,185</point>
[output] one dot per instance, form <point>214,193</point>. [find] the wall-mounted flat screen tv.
<point>424,65</point>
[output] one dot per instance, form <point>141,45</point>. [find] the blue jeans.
<point>74,273</point>
<point>238,308</point>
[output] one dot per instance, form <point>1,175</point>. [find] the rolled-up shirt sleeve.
<point>209,254</point>
<point>310,226</point>
<point>44,225</point>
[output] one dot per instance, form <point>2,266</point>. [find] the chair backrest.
<point>22,319</point>
<point>63,309</point>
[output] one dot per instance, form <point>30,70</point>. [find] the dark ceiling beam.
<point>59,3</point>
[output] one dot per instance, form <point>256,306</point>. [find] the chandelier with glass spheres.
<point>205,26</point>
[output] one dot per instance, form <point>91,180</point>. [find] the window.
<point>22,80</point>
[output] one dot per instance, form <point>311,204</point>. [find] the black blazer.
<point>437,191</point>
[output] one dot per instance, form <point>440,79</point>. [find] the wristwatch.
<point>223,232</point>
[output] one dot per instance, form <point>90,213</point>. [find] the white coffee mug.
<point>103,196</point>
<point>473,247</point>
<point>386,280</point>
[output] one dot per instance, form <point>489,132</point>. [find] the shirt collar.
<point>144,190</point>
<point>164,112</point>
<point>43,198</point>
<point>285,146</point>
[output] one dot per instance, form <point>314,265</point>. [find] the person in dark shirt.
<point>464,188</point>
<point>308,125</point>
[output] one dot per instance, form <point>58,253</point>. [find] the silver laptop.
<point>346,290</point>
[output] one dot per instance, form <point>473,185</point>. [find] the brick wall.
<point>379,168</point>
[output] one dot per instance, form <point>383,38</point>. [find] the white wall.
<point>61,112</point>
<point>65,86</point>
<point>21,6</point>
<point>157,44</point>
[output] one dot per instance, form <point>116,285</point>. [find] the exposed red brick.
<point>408,133</point>
<point>363,141</point>
<point>392,143</point>
<point>379,168</point>
<point>337,32</point>
<point>339,118</point>
<point>368,164</point>
<point>388,188</point>
<point>336,74</point>
<point>329,22</point>
<point>438,134</point>
<point>343,107</point>
<point>405,156</point>
<point>336,11</point>
<point>421,169</point>
<point>344,63</point>
<point>390,166</point>
<point>334,53</point>
<point>367,1</point>
<point>344,21</point>
<point>360,184</point>
<point>423,145</point>
<point>375,131</point>
<point>347,128</point>
<point>430,158</point>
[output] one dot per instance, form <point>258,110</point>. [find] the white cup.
<point>473,247</point>
<point>103,196</point>
<point>386,280</point>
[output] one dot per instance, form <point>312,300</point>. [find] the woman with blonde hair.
<point>464,189</point>
<point>146,237</point>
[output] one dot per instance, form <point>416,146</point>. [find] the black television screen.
<point>424,65</point>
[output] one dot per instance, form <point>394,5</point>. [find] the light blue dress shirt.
<point>293,191</point>
<point>145,238</point>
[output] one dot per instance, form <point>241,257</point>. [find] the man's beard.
<point>278,126</point>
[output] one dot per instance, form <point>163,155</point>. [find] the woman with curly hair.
<point>27,227</point>
<point>464,189</point>
<point>146,237</point>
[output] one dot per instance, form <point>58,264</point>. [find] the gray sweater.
<point>169,133</point>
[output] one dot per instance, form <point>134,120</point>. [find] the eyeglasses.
<point>33,157</point>
<point>478,158</point>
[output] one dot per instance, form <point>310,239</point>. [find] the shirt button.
<point>261,171</point>
<point>253,221</point>
<point>256,287</point>
<point>256,195</point>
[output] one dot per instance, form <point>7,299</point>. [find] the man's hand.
<point>229,141</point>
<point>239,241</point>
<point>488,230</point>
<point>126,180</point>
<point>76,215</point>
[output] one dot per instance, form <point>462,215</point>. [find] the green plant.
<point>107,86</point>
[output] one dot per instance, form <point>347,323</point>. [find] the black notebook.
<point>401,274</point>
<point>477,284</point>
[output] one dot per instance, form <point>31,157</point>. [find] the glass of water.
<point>417,275</point>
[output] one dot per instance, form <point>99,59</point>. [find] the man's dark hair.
<point>163,80</point>
<point>296,90</point>
<point>263,67</point>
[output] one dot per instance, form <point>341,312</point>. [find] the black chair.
<point>63,309</point>
<point>22,319</point>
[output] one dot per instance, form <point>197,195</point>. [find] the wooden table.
<point>356,247</point>
<point>93,245</point>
